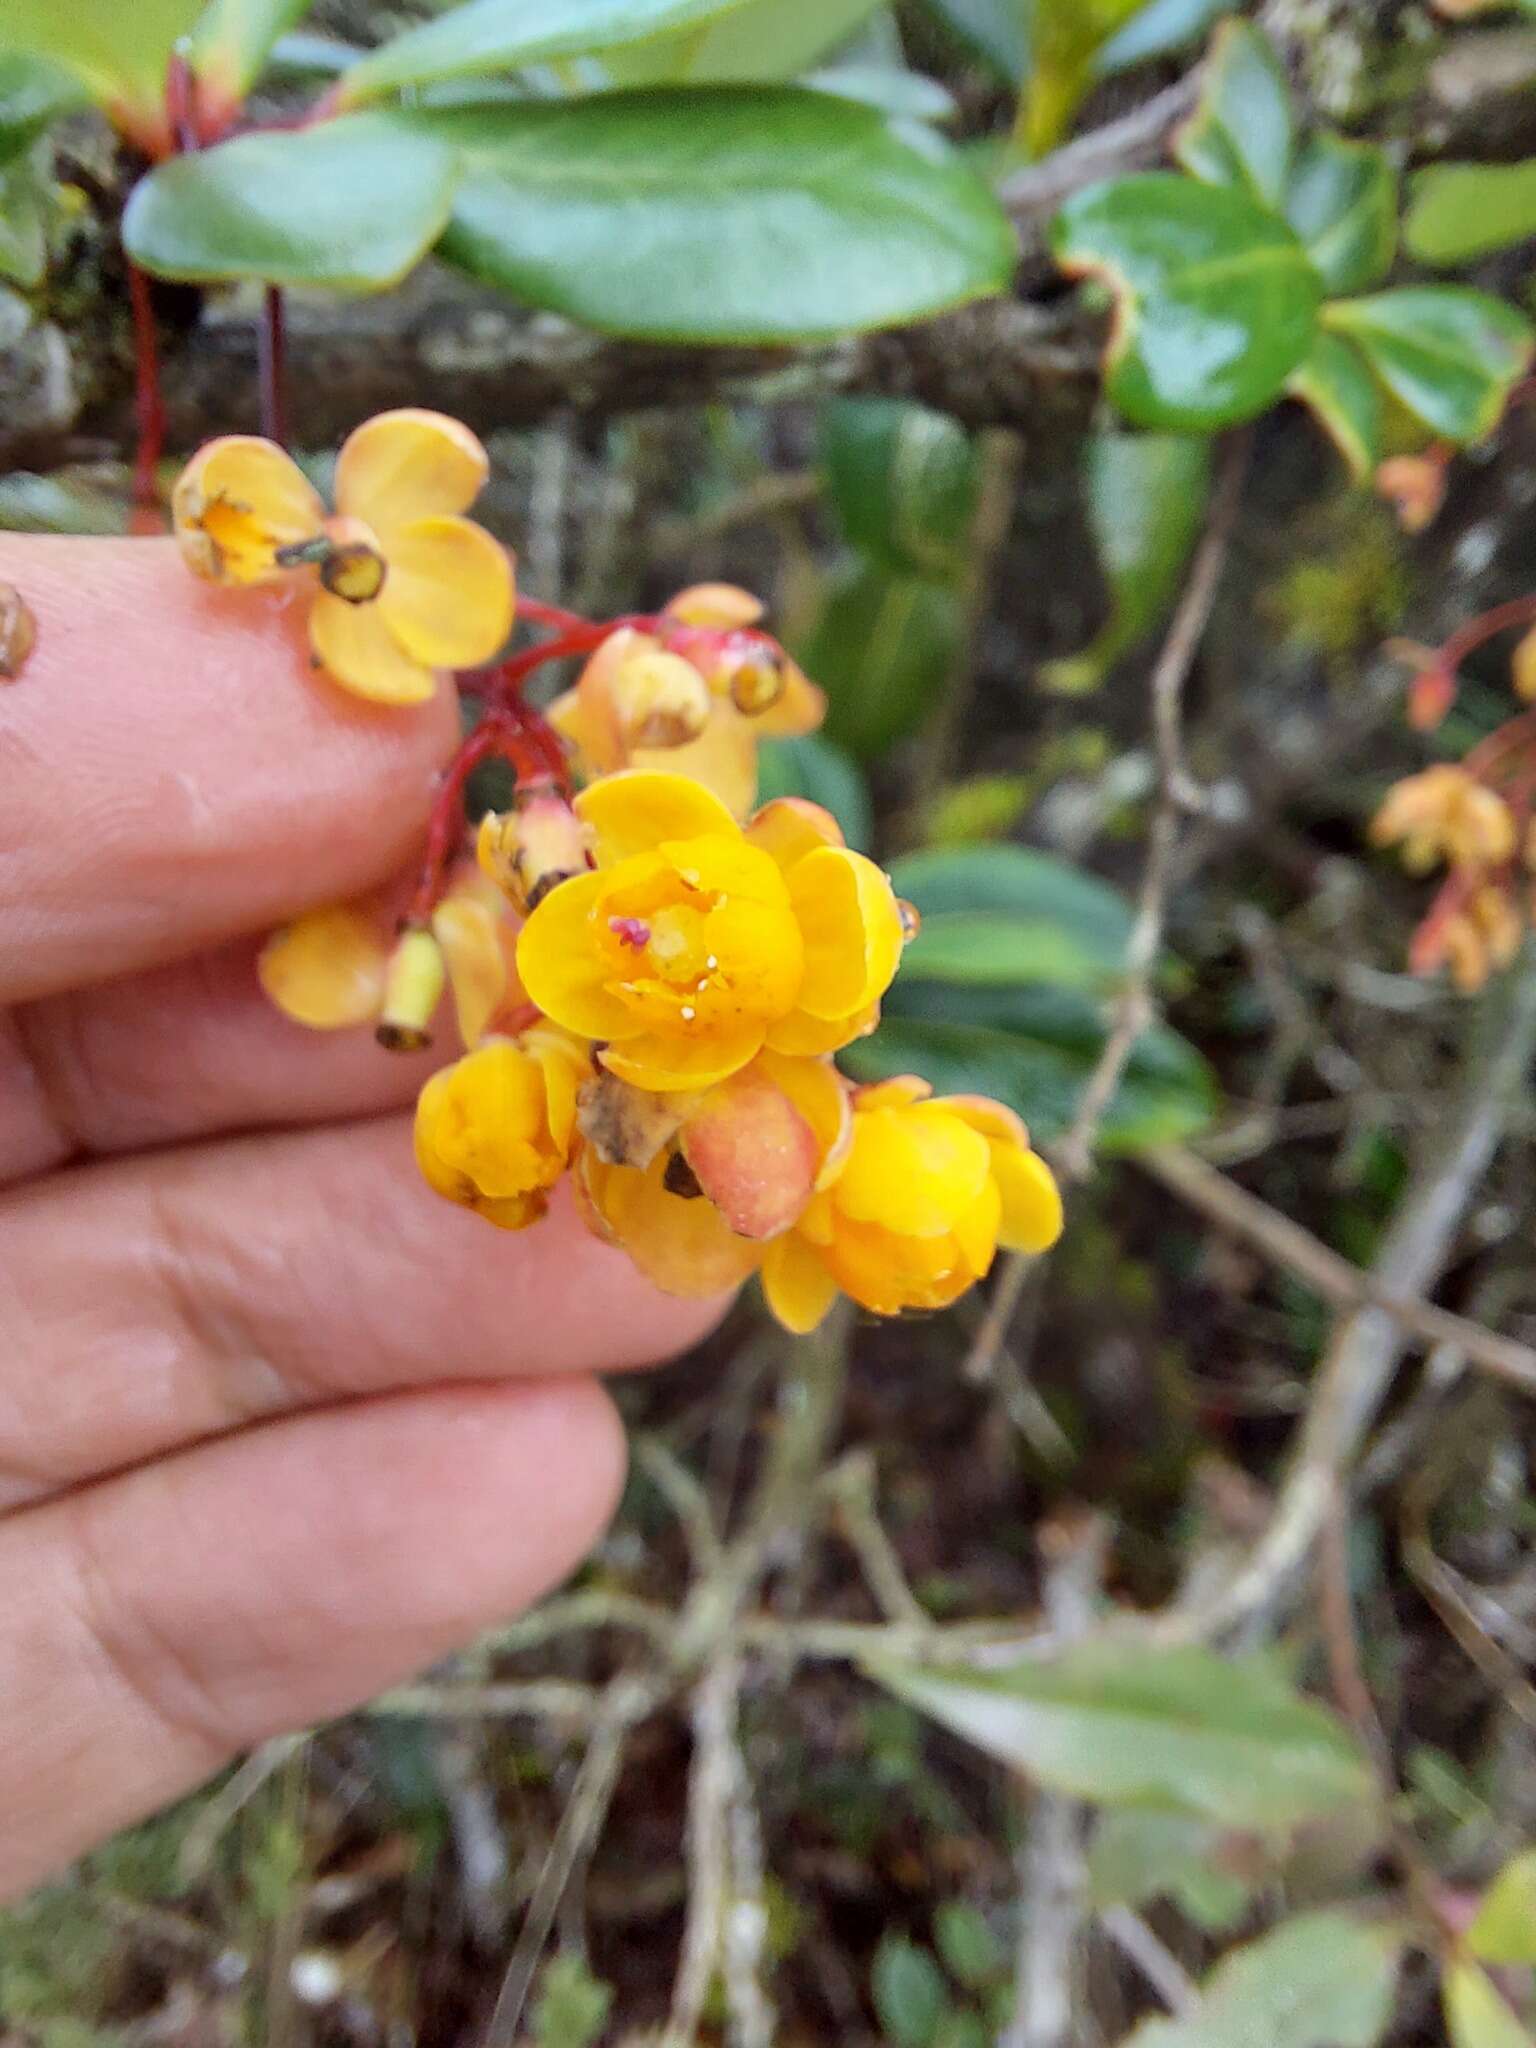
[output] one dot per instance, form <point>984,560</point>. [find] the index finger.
<point>173,771</point>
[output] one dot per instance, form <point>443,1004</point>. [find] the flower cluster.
<point>650,977</point>
<point>1476,817</point>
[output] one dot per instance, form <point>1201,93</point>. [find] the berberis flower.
<point>695,942</point>
<point>407,585</point>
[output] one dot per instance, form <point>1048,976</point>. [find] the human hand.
<point>277,1426</point>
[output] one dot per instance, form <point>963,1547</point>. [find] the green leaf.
<point>1137,1854</point>
<point>1065,37</point>
<point>1146,500</point>
<point>1318,1981</point>
<point>882,650</point>
<point>23,223</point>
<point>120,50</point>
<point>763,41</point>
<point>903,480</point>
<point>1451,355</point>
<point>1336,382</point>
<point>1342,201</point>
<point>351,204</point>
<point>1034,1048</point>
<point>1123,1723</point>
<point>1217,302</point>
<point>1241,133</point>
<point>1017,882</point>
<point>972,1953</point>
<point>1155,29</point>
<point>573,2005</point>
<point>730,213</point>
<point>899,94</point>
<point>1476,2015</point>
<point>507,35</point>
<point>819,769</point>
<point>908,1992</point>
<point>59,503</point>
<point>1459,211</point>
<point>994,30</point>
<point>34,93</point>
<point>1505,1928</point>
<point>230,44</point>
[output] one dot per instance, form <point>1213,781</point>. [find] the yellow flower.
<point>494,1131</point>
<point>693,943</point>
<point>695,702</point>
<point>326,969</point>
<point>1445,813</point>
<point>928,1191</point>
<point>408,586</point>
<point>692,1186</point>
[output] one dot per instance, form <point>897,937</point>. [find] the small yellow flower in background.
<point>1522,666</point>
<point>407,585</point>
<point>929,1190</point>
<point>1445,814</point>
<point>695,943</point>
<point>694,700</point>
<point>494,1131</point>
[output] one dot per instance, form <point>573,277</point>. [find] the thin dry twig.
<point>1152,1956</point>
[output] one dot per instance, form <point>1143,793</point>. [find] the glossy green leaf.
<point>816,768</point>
<point>1146,501</point>
<point>1216,300</point>
<point>1342,202</point>
<point>730,213</point>
<point>230,43</point>
<point>990,949</point>
<point>1505,1928</point>
<point>1451,355</point>
<point>883,650</point>
<point>903,480</point>
<point>1336,382</point>
<point>1034,1048</point>
<point>1123,1723</point>
<point>758,43</point>
<point>1138,1854</point>
<point>1065,38</point>
<point>899,94</point>
<point>1477,2015</point>
<point>34,93</point>
<point>1320,1980</point>
<point>507,35</point>
<point>120,48</point>
<point>1156,29</point>
<point>1242,132</point>
<point>1459,211</point>
<point>311,56</point>
<point>908,1993</point>
<point>1018,882</point>
<point>351,204</point>
<point>23,222</point>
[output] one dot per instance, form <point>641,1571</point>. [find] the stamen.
<point>630,931</point>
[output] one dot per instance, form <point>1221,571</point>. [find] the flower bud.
<point>528,850</point>
<point>1522,667</point>
<point>1499,923</point>
<point>715,604</point>
<point>1414,485</point>
<point>412,989</point>
<point>659,699</point>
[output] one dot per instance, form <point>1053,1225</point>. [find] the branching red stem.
<point>148,401</point>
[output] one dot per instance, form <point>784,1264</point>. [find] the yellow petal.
<point>560,967</point>
<point>886,1272</point>
<point>821,1095</point>
<point>1031,1218</point>
<point>634,811</point>
<point>236,503</point>
<point>684,1246</point>
<point>895,1093</point>
<point>590,732</point>
<point>911,1171</point>
<point>357,650</point>
<point>723,759</point>
<point>801,1035</point>
<point>326,969</point>
<point>470,936</point>
<point>852,927</point>
<point>791,827</point>
<point>664,1063</point>
<point>798,1287</point>
<point>994,1120</point>
<point>408,465</point>
<point>448,596</point>
<point>976,1231</point>
<point>800,707</point>
<point>715,604</point>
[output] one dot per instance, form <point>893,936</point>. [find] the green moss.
<point>1348,586</point>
